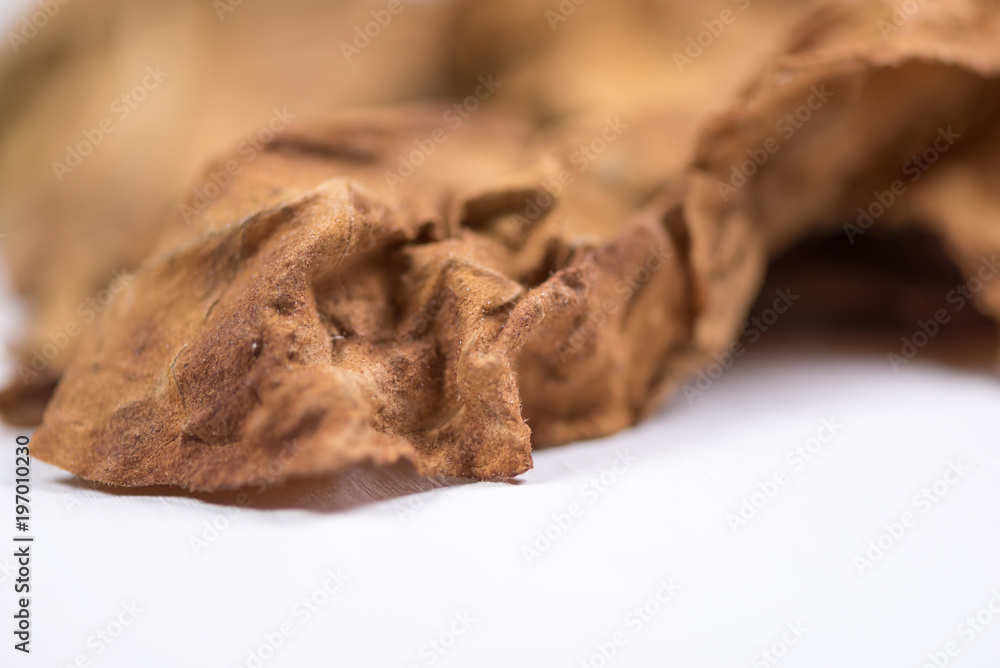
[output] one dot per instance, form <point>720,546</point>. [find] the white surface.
<point>460,549</point>
<point>418,555</point>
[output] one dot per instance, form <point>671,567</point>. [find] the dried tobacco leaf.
<point>876,120</point>
<point>224,72</point>
<point>561,59</point>
<point>326,310</point>
<point>353,296</point>
<point>228,72</point>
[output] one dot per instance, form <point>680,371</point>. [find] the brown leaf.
<point>319,314</point>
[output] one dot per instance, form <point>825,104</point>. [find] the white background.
<point>418,555</point>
